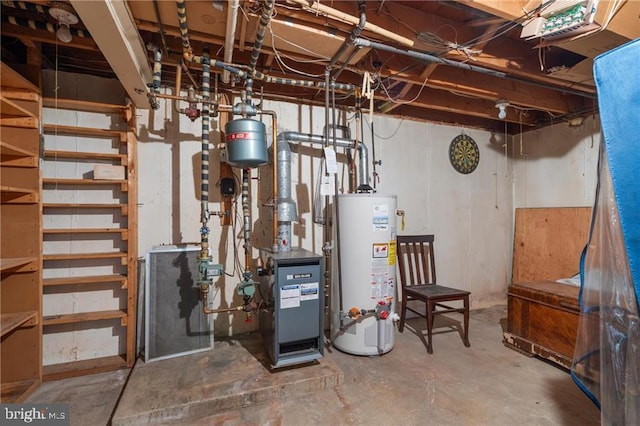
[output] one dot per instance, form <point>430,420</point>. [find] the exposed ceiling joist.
<point>115,33</point>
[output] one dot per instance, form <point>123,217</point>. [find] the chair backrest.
<point>416,259</point>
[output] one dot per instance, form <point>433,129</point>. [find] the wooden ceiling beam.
<point>491,88</point>
<point>449,102</point>
<point>27,35</point>
<point>389,106</point>
<point>510,56</point>
<point>510,10</point>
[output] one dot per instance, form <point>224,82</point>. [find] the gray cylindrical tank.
<point>246,143</point>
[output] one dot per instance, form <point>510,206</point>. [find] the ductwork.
<point>287,211</point>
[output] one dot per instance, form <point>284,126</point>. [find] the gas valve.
<point>383,309</point>
<point>192,112</point>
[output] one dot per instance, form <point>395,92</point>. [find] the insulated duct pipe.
<point>286,207</point>
<point>435,59</point>
<point>229,38</point>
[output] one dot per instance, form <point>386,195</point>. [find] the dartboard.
<point>464,154</point>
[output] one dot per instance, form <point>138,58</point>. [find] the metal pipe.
<point>352,37</point>
<point>157,78</point>
<point>326,232</point>
<point>161,27</point>
<point>178,88</point>
<point>336,212</point>
<point>204,290</point>
<point>435,59</point>
<point>348,42</point>
<point>274,148</point>
<point>204,175</point>
<point>185,68</point>
<point>232,18</point>
<point>317,7</point>
<point>246,214</point>
<point>187,51</point>
<point>267,10</point>
<point>36,25</point>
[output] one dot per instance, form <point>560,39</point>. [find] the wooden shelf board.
<point>85,231</point>
<point>78,105</point>
<point>7,160</point>
<point>83,367</point>
<point>16,190</point>
<point>83,317</point>
<point>13,320</point>
<point>84,131</point>
<point>15,392</point>
<point>7,148</point>
<point>9,108</point>
<point>7,264</point>
<point>23,122</point>
<point>83,206</point>
<point>16,195</point>
<point>63,181</point>
<point>12,78</point>
<point>84,280</point>
<point>76,256</point>
<point>85,155</point>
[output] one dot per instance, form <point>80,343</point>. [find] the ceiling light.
<point>502,105</point>
<point>66,16</point>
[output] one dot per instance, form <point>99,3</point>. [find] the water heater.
<point>363,306</point>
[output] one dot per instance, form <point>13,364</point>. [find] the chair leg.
<point>430,306</point>
<point>466,322</point>
<point>403,316</point>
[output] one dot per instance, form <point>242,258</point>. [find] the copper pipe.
<point>274,147</point>
<point>176,92</point>
<point>204,289</point>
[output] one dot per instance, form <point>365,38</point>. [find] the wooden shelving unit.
<point>21,242</point>
<point>123,234</point>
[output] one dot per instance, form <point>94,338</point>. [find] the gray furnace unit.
<point>291,319</point>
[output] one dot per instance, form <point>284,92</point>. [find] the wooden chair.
<point>418,283</point>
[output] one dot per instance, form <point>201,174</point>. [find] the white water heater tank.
<point>367,250</point>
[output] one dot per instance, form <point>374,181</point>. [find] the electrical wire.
<point>391,135</point>
<point>281,62</point>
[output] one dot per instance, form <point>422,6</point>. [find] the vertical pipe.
<point>204,184</point>
<point>246,173</point>
<point>336,209</point>
<point>178,88</point>
<point>267,10</point>
<point>274,149</point>
<point>229,38</point>
<point>157,79</point>
<point>187,51</point>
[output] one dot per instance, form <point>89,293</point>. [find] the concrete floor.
<point>486,384</point>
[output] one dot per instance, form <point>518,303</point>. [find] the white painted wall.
<point>73,342</point>
<point>556,166</point>
<point>471,215</point>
